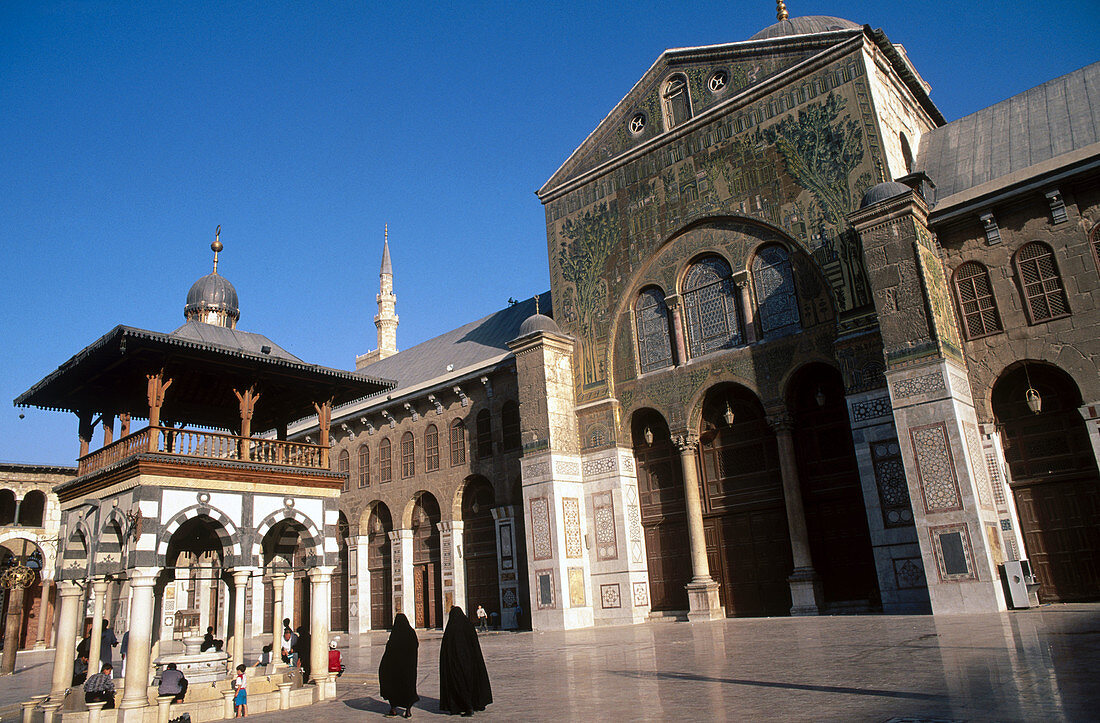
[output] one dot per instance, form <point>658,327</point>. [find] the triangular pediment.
<point>746,65</point>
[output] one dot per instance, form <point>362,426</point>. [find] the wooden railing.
<point>206,445</point>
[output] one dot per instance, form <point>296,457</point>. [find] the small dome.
<point>883,191</point>
<point>213,300</point>
<point>805,25</point>
<point>538,322</point>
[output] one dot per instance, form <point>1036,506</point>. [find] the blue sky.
<point>131,130</point>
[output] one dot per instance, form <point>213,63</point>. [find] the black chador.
<point>397,671</point>
<point>463,679</point>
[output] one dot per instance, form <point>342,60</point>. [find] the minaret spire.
<point>781,10</point>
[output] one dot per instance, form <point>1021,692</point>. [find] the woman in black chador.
<point>397,671</point>
<point>463,679</point>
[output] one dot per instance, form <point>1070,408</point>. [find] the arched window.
<point>364,466</point>
<point>458,442</point>
<point>977,306</point>
<point>385,472</point>
<point>651,320</point>
<point>676,101</point>
<point>1037,270</point>
<point>484,434</point>
<point>509,423</point>
<point>431,448</point>
<point>32,509</point>
<point>343,466</point>
<point>408,456</point>
<point>710,303</point>
<point>775,294</point>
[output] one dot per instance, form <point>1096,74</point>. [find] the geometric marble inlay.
<point>571,520</point>
<point>575,575</point>
<point>893,490</point>
<point>641,595</point>
<point>953,552</point>
<point>919,385</point>
<point>871,409</point>
<point>544,588</point>
<point>909,573</point>
<point>540,528</point>
<point>598,466</point>
<point>609,596</point>
<point>981,477</point>
<point>935,468</point>
<point>604,512</point>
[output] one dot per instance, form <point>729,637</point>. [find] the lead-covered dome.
<point>213,300</point>
<point>538,322</point>
<point>805,25</point>
<point>882,191</point>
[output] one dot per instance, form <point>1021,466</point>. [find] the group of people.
<point>463,679</point>
<point>99,686</point>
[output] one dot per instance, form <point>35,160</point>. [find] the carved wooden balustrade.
<point>207,445</point>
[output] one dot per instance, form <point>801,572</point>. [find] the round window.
<point>637,123</point>
<point>719,79</point>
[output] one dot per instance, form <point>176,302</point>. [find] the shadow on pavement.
<point>377,705</point>
<point>788,686</point>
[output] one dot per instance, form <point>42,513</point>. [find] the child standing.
<point>240,700</point>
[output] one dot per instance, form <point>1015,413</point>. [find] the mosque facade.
<point>813,350</point>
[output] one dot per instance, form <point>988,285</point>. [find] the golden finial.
<point>781,10</point>
<point>216,247</point>
<point>536,303</point>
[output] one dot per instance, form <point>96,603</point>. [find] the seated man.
<point>209,643</point>
<point>80,670</point>
<point>172,682</point>
<point>290,648</point>
<point>101,686</point>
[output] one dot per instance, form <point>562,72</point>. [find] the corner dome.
<point>213,300</point>
<point>805,25</point>
<point>883,191</point>
<point>538,322</point>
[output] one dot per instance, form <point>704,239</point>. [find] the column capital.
<point>99,584</point>
<point>242,574</point>
<point>143,576</point>
<point>449,525</point>
<point>69,588</point>
<point>781,421</point>
<point>321,573</point>
<point>505,512</point>
<point>400,534</point>
<point>673,301</point>
<point>277,577</point>
<point>686,442</point>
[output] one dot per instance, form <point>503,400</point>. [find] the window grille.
<point>710,302</point>
<point>431,448</point>
<point>343,465</point>
<point>364,466</point>
<point>775,292</point>
<point>651,319</point>
<point>408,456</point>
<point>458,443</point>
<point>977,305</point>
<point>676,101</point>
<point>484,434</point>
<point>1042,284</point>
<point>385,472</point>
<point>510,426</point>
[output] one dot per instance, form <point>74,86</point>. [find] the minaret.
<point>386,318</point>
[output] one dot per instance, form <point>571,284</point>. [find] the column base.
<point>39,646</point>
<point>703,601</point>
<point>806,596</point>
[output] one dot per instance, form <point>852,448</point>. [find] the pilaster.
<point>401,547</point>
<point>507,565</point>
<point>453,566</point>
<point>362,622</point>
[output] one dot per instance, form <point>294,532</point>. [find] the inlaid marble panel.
<point>935,468</point>
<point>571,521</point>
<point>610,597</point>
<point>953,552</point>
<point>604,512</point>
<point>575,576</point>
<point>981,476</point>
<point>540,529</point>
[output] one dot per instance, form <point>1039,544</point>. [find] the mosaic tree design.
<point>821,151</point>
<point>588,241</point>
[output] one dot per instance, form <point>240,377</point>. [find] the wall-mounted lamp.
<point>648,435</point>
<point>1031,396</point>
<point>728,415</point>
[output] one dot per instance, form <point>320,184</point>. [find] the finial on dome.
<point>216,247</point>
<point>536,303</point>
<point>781,10</point>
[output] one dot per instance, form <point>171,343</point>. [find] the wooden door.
<point>428,595</point>
<point>664,521</point>
<point>1060,521</point>
<point>381,589</point>
<point>750,557</point>
<point>420,584</point>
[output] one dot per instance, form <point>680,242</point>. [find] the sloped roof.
<point>468,347</point>
<point>243,341</point>
<point>1049,121</point>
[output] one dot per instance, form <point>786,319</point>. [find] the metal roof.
<point>109,376</point>
<point>1036,126</point>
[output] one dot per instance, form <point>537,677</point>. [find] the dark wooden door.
<point>1060,521</point>
<point>1054,481</point>
<point>480,548</point>
<point>750,555</point>
<point>664,521</point>
<point>428,595</point>
<point>381,593</point>
<point>420,597</point>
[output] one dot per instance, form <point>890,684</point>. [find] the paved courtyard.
<point>1032,665</point>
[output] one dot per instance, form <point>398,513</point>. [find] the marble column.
<point>12,624</point>
<point>404,596</point>
<point>135,694</point>
<point>240,583</point>
<point>363,585</point>
<point>703,601</point>
<point>747,307</point>
<point>95,638</point>
<point>806,597</point>
<point>454,567</point>
<point>675,309</point>
<point>278,580</point>
<point>69,618</point>
<point>43,610</point>
<point>320,600</point>
<point>504,518</point>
